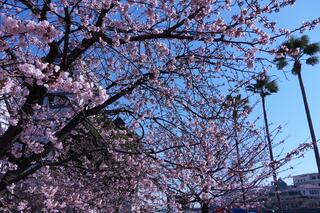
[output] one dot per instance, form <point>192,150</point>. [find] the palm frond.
<point>272,86</point>
<point>304,40</point>
<point>281,63</point>
<point>264,86</point>
<point>307,48</point>
<point>313,60</point>
<point>312,49</point>
<point>251,88</point>
<point>293,43</point>
<point>237,100</point>
<point>260,83</point>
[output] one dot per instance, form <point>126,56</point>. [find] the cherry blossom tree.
<point>204,168</point>
<point>69,67</point>
<point>238,105</point>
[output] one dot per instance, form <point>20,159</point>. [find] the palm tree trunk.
<point>306,106</point>
<point>274,173</point>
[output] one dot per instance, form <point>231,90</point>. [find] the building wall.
<point>313,179</point>
<point>4,117</point>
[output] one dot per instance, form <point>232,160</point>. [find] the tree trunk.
<point>205,208</point>
<point>306,106</point>
<point>274,173</point>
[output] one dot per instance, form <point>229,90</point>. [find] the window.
<point>312,191</point>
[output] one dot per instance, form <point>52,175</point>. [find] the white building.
<point>304,194</point>
<point>4,117</point>
<point>311,179</point>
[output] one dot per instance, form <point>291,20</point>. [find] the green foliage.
<point>304,40</point>
<point>237,103</point>
<point>303,43</point>
<point>281,63</point>
<point>237,100</point>
<point>312,49</point>
<point>312,60</point>
<point>272,86</point>
<point>294,42</point>
<point>251,88</point>
<point>264,86</point>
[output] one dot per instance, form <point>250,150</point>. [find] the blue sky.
<point>286,107</point>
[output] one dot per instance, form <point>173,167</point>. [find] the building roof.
<point>307,174</point>
<point>308,186</point>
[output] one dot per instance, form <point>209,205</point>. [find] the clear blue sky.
<point>286,107</point>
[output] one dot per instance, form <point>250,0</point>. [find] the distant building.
<point>311,178</point>
<point>4,117</point>
<point>303,195</point>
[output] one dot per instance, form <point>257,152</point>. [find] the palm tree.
<point>265,87</point>
<point>238,104</point>
<point>295,50</point>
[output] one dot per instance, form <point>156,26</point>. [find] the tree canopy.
<point>122,104</point>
